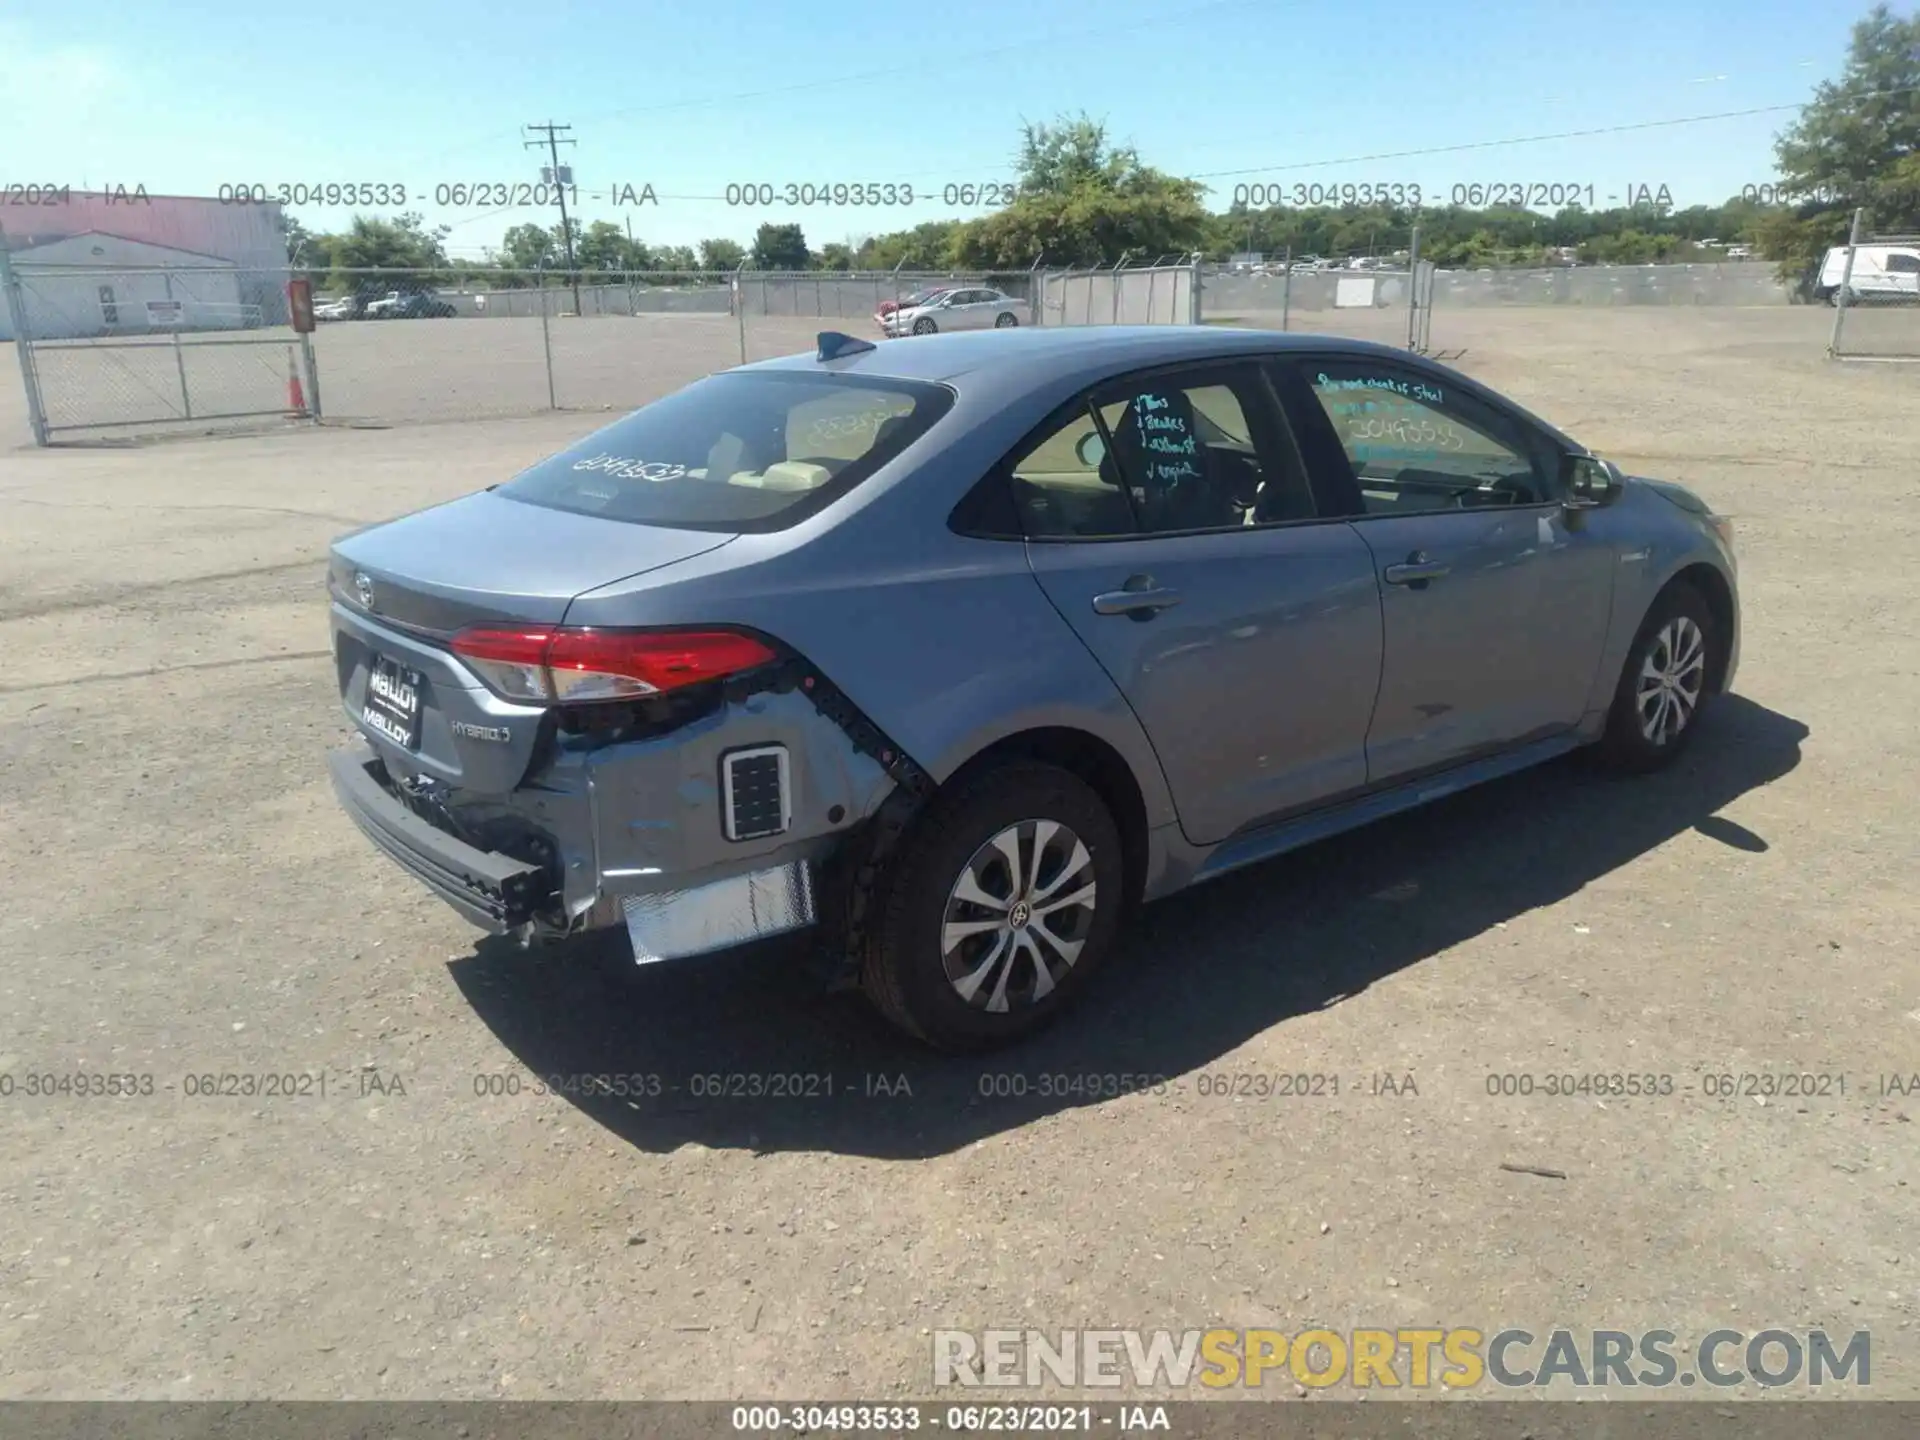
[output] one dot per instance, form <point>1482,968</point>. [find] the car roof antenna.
<point>835,346</point>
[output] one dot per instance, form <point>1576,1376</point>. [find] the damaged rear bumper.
<point>491,890</point>
<point>658,835</point>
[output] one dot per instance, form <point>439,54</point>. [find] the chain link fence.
<point>114,351</point>
<point>1395,301</point>
<point>1159,294</point>
<point>1374,303</point>
<point>123,350</point>
<point>1873,284</point>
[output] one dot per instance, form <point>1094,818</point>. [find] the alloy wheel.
<point>1672,675</point>
<point>1018,915</point>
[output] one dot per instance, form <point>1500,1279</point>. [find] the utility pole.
<point>553,142</point>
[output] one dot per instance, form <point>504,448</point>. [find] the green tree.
<point>603,247</point>
<point>1082,200</point>
<point>927,246</point>
<point>780,247</point>
<point>401,242</point>
<point>1857,143</point>
<point>836,256</point>
<point>379,252</point>
<point>1073,153</point>
<point>529,247</point>
<point>721,254</point>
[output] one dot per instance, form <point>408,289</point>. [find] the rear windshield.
<point>736,452</point>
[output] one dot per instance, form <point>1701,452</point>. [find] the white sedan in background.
<point>961,308</point>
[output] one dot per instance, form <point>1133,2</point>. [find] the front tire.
<point>999,906</point>
<point>924,326</point>
<point>1666,682</point>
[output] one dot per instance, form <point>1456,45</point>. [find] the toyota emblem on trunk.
<point>363,587</point>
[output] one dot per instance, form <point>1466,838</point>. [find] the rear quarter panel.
<point>946,642</point>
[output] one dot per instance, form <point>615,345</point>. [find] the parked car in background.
<point>1881,274</point>
<point>957,651</point>
<point>410,305</point>
<point>920,297</point>
<point>961,308</point>
<point>342,307</point>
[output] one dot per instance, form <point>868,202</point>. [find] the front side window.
<point>744,453</point>
<point>1416,446</point>
<point>1165,454</point>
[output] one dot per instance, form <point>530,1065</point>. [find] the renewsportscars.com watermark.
<point>1453,1359</point>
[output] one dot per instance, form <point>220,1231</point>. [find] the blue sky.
<point>690,98</point>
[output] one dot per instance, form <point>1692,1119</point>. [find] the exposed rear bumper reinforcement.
<point>491,890</point>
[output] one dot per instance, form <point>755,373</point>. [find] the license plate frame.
<point>394,702</point>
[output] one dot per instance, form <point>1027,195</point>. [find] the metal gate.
<point>148,348</point>
<point>1874,295</point>
<point>1141,295</point>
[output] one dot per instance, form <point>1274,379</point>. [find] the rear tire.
<point>1666,683</point>
<point>1006,320</point>
<point>996,910</point>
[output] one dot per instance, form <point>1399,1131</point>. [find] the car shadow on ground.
<point>744,1051</point>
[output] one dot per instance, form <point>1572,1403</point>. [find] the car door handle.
<point>1415,570</point>
<point>1143,603</point>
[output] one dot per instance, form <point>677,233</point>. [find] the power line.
<point>1468,146</point>
<point>1515,140</point>
<point>1462,148</point>
<point>553,144</point>
<point>922,66</point>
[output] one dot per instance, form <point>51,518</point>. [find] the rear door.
<point>1495,599</point>
<point>1170,523</point>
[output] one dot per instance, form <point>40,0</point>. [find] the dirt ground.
<point>184,900</point>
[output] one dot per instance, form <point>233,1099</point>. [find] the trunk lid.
<point>479,560</point>
<point>484,558</point>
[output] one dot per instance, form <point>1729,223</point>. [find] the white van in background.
<point>1880,273</point>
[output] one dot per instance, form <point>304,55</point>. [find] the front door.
<point>1495,599</point>
<point>1172,527</point>
<point>967,313</point>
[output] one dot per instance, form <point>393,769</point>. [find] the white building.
<point>94,284</point>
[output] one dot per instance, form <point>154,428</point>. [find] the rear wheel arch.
<point>1094,762</point>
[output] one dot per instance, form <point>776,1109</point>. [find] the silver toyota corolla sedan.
<point>957,651</point>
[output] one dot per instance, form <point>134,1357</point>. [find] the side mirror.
<point>1588,482</point>
<point>1090,449</point>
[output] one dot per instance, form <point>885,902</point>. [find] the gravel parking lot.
<point>185,901</point>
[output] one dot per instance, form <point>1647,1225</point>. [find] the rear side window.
<point>747,453</point>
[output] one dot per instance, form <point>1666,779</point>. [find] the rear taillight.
<point>570,666</point>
